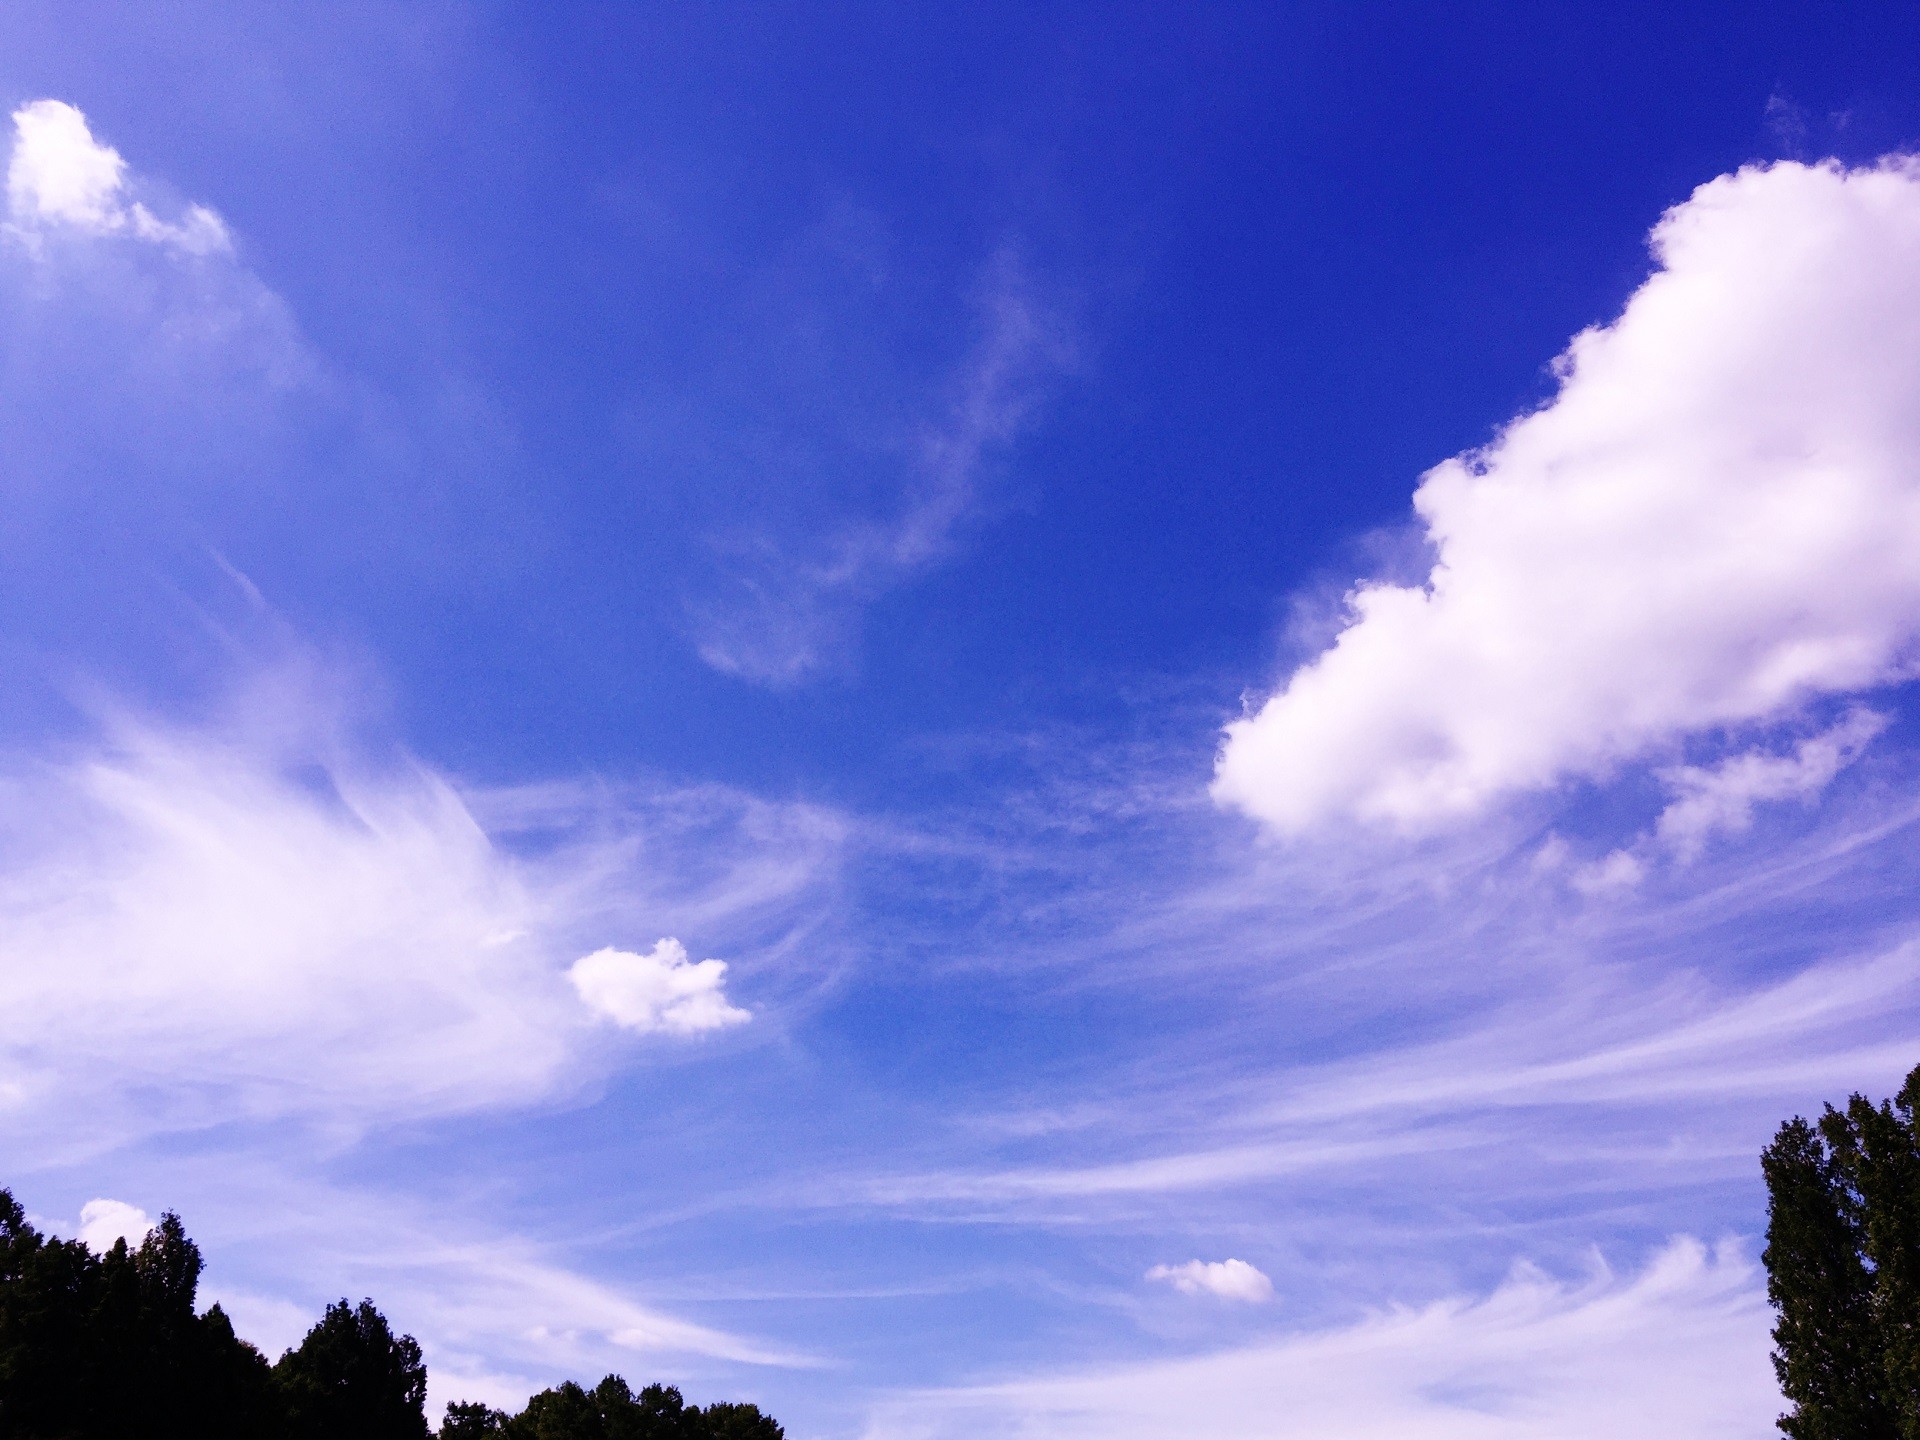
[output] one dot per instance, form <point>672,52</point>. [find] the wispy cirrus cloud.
<point>268,914</point>
<point>1537,1356</point>
<point>1720,799</point>
<point>500,1314</point>
<point>146,373</point>
<point>791,603</point>
<point>1373,1079</point>
<point>1708,528</point>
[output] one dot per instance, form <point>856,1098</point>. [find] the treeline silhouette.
<point>112,1347</point>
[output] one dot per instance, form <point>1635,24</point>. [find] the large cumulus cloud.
<point>1713,525</point>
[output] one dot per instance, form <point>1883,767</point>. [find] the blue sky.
<point>1033,721</point>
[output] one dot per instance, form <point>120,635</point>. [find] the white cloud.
<point>1720,798</point>
<point>1535,1358</point>
<point>59,172</point>
<point>218,923</point>
<point>660,990</point>
<point>1712,523</point>
<point>500,1314</point>
<point>1446,1118</point>
<point>210,916</point>
<point>1228,1279</point>
<point>104,1221</point>
<point>1620,870</point>
<point>60,175</point>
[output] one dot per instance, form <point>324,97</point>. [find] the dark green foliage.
<point>469,1420</point>
<point>611,1411</point>
<point>1843,1269</point>
<point>729,1421</point>
<point>111,1347</point>
<point>353,1376</point>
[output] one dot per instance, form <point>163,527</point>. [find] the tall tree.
<point>93,1347</point>
<point>112,1347</point>
<point>46,1291</point>
<point>1843,1269</point>
<point>352,1376</point>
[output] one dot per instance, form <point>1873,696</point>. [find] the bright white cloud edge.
<point>60,175</point>
<point>104,1221</point>
<point>1711,526</point>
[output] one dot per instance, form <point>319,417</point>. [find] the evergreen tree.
<point>111,1347</point>
<point>352,1376</point>
<point>46,1286</point>
<point>93,1347</point>
<point>1843,1269</point>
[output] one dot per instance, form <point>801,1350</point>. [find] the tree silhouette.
<point>1843,1268</point>
<point>611,1411</point>
<point>112,1347</point>
<point>353,1376</point>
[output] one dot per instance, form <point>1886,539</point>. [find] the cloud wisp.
<point>1708,529</point>
<point>268,917</point>
<point>144,370</point>
<point>1720,799</point>
<point>793,604</point>
<point>1537,1356</point>
<point>1224,1279</point>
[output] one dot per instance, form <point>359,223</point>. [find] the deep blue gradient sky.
<point>814,482</point>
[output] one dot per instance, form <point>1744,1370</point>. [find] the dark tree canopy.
<point>113,1347</point>
<point>353,1376</point>
<point>611,1411</point>
<point>1843,1269</point>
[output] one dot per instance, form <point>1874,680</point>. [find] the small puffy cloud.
<point>60,175</point>
<point>1712,524</point>
<point>1720,798</point>
<point>104,1221</point>
<point>660,990</point>
<point>1228,1279</point>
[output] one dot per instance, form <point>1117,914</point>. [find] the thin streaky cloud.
<point>270,915</point>
<point>1537,1356</point>
<point>794,610</point>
